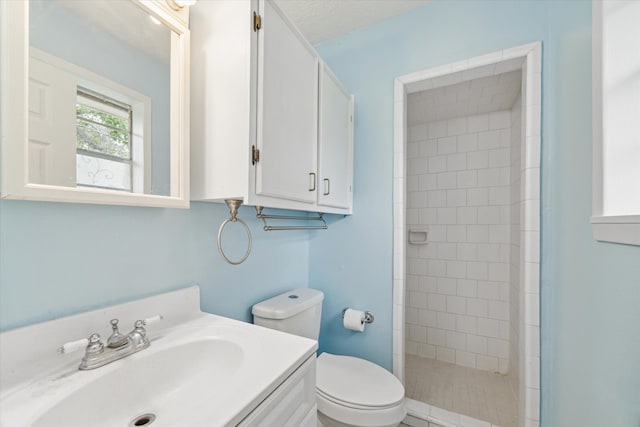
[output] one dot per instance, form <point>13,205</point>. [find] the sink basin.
<point>165,387</point>
<point>200,369</point>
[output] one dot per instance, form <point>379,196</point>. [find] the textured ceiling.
<point>480,95</point>
<point>318,20</point>
<point>321,20</point>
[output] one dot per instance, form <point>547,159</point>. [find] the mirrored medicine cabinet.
<point>95,105</point>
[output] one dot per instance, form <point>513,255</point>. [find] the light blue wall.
<point>590,303</point>
<point>367,61</point>
<point>58,259</point>
<point>590,290</point>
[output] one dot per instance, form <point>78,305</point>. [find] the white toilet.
<point>349,391</point>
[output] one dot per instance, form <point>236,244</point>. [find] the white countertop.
<point>261,359</point>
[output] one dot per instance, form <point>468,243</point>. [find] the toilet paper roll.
<point>353,319</point>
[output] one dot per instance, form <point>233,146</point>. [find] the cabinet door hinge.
<point>255,155</point>
<point>257,22</point>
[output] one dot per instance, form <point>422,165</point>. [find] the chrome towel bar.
<point>264,217</point>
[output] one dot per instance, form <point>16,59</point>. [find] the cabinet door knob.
<point>327,187</point>
<point>313,181</point>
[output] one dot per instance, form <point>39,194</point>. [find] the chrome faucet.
<point>118,345</point>
<point>116,339</point>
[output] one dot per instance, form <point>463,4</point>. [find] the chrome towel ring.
<point>234,205</point>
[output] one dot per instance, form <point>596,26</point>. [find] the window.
<point>101,135</point>
<point>104,135</point>
<point>616,121</point>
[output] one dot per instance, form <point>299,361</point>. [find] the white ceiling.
<point>481,95</point>
<point>318,20</point>
<point>321,20</point>
<point>126,22</point>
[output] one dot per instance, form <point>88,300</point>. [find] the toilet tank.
<point>297,312</point>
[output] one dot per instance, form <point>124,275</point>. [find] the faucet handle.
<point>151,320</point>
<point>95,345</point>
<point>92,345</point>
<point>139,335</point>
<point>140,324</point>
<point>72,346</point>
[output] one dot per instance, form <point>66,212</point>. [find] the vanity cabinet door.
<point>286,112</point>
<point>292,404</point>
<point>335,142</point>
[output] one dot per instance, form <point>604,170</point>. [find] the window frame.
<point>141,116</point>
<point>98,101</point>
<point>623,229</point>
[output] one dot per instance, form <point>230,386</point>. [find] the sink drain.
<point>143,420</point>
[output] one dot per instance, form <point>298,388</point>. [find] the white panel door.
<point>52,125</point>
<point>335,146</point>
<point>287,111</point>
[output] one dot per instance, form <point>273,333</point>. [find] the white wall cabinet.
<point>287,111</point>
<point>335,142</point>
<point>271,125</point>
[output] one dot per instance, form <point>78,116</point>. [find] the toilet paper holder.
<point>368,316</point>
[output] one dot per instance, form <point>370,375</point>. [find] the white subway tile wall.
<point>458,184</point>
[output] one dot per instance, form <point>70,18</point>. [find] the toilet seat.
<point>335,401</point>
<point>358,392</point>
<point>344,415</point>
<point>356,382</point>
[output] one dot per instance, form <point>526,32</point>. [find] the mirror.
<point>104,118</point>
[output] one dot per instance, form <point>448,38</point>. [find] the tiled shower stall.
<point>462,216</point>
<point>458,283</point>
<point>466,239</point>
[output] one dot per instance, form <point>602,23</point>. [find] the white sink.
<point>166,384</point>
<point>207,370</point>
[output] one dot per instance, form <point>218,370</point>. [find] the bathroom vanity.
<point>200,369</point>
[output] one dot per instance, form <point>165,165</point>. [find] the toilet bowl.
<point>349,391</point>
<point>355,392</point>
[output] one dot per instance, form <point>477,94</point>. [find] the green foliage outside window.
<point>102,132</point>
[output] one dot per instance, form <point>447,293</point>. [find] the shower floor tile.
<point>478,394</point>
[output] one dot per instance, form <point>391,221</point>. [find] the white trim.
<point>617,229</point>
<point>14,52</point>
<point>623,229</point>
<point>612,219</point>
<point>531,55</point>
<point>596,105</point>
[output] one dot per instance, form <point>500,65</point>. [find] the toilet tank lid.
<point>287,304</point>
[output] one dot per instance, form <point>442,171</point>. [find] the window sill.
<point>617,229</point>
